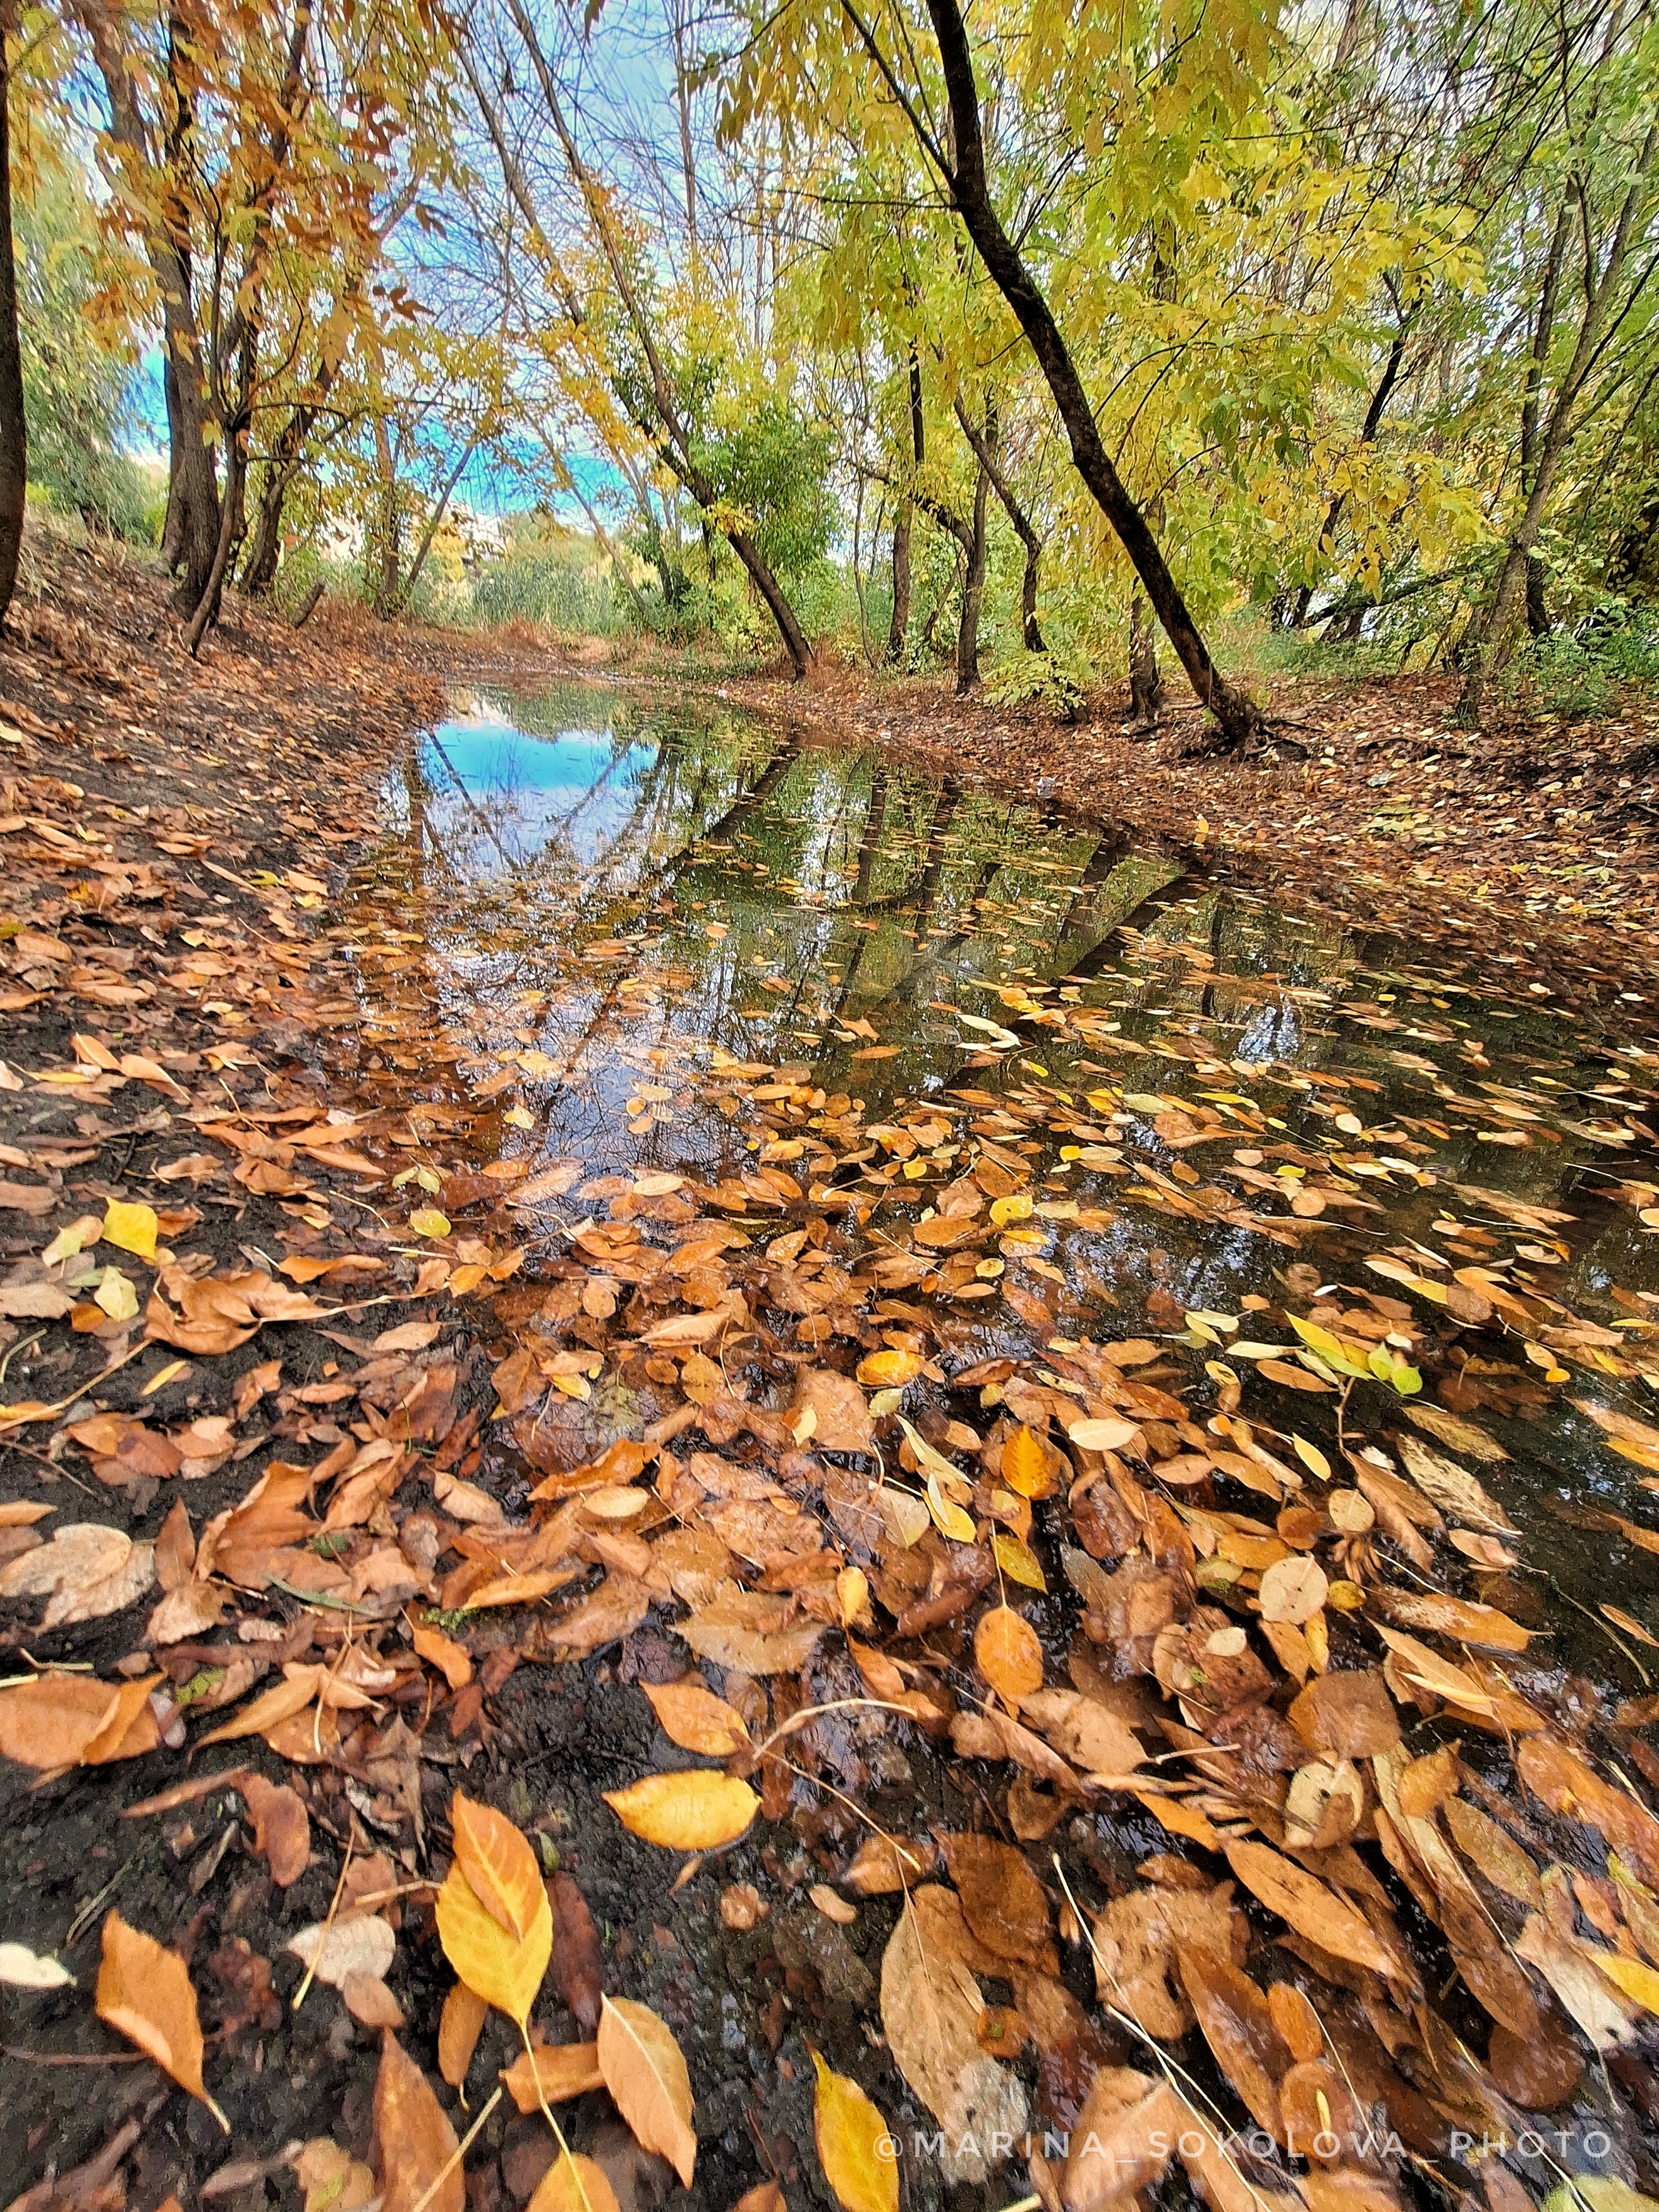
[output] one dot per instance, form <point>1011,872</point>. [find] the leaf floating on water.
<point>695,1810</point>
<point>852,2143</point>
<point>645,2071</point>
<point>416,2141</point>
<point>145,1993</point>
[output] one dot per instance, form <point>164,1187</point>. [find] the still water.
<point>586,906</point>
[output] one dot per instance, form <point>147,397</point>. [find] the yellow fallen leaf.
<point>1018,1561</point>
<point>499,1865</point>
<point>692,1716</point>
<point>426,1221</point>
<point>130,1228</point>
<point>573,2183</point>
<point>854,2144</point>
<point>1635,1979</point>
<point>505,1970</point>
<point>695,1810</point>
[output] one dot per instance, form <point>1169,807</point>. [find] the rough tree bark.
<point>1146,678</point>
<point>964,170</point>
<point>14,429</point>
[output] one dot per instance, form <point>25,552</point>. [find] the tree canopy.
<point>1008,334</point>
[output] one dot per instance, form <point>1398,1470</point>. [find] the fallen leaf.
<point>505,1970</point>
<point>1293,1590</point>
<point>693,1810</point>
<point>416,2141</point>
<point>454,1664</point>
<point>282,1829</point>
<point>578,1968</point>
<point>573,2183</point>
<point>1303,1901</point>
<point>130,1227</point>
<point>691,1716</point>
<point>144,1992</point>
<point>558,2070</point>
<point>369,2001</point>
<point>23,1969</point>
<point>1008,1655</point>
<point>365,1944</point>
<point>51,1721</point>
<point>459,2025</point>
<point>333,2181</point>
<point>499,1865</point>
<point>1002,1900</point>
<point>853,2144</point>
<point>645,2071</point>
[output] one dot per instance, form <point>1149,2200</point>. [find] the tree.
<point>14,431</point>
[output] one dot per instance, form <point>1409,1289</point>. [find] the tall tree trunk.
<point>964,171</point>
<point>14,429</point>
<point>899,630</point>
<point>973,595</point>
<point>388,529</point>
<point>172,526</point>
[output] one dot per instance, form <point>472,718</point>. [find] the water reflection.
<point>582,900</point>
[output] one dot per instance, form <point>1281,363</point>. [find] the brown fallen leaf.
<point>645,2071</point>
<point>1008,1655</point>
<point>556,2071</point>
<point>1237,2024</point>
<point>459,2025</point>
<point>573,2183</point>
<point>369,2001</point>
<point>144,1992</point>
<point>1312,1910</point>
<point>1002,1900</point>
<point>415,2140</point>
<point>281,1831</point>
<point>691,1716</point>
<point>577,1966</point>
<point>454,1664</point>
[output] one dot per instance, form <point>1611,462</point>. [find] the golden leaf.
<point>693,1810</point>
<point>130,1227</point>
<point>645,2071</point>
<point>852,2138</point>
<point>498,1863</point>
<point>1018,1561</point>
<point>459,2025</point>
<point>552,2073</point>
<point>505,1970</point>
<point>1026,1464</point>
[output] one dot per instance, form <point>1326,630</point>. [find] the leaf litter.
<point>1037,1478</point>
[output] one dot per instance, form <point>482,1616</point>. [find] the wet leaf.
<point>453,1663</point>
<point>889,1370</point>
<point>557,2070</point>
<point>144,1992</point>
<point>1307,1906</point>
<point>426,1221</point>
<point>1018,1561</point>
<point>1008,1655</point>
<point>498,1864</point>
<point>1238,2025</point>
<point>573,2183</point>
<point>693,1810</point>
<point>504,1969</point>
<point>1104,1435</point>
<point>1293,1590</point>
<point>577,1969</point>
<point>1026,1464</point>
<point>691,1716</point>
<point>1002,1900</point>
<point>645,2071</point>
<point>416,2141</point>
<point>852,2140</point>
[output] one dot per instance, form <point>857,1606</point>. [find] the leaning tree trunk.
<point>1237,717</point>
<point>14,429</point>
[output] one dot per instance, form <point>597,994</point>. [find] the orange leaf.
<point>560,2070</point>
<point>459,2025</point>
<point>288,1698</point>
<point>1009,1656</point>
<point>573,2183</point>
<point>144,1992</point>
<point>416,2141</point>
<point>1026,1464</point>
<point>498,1863</point>
<point>282,1828</point>
<point>454,1664</point>
<point>645,2071</point>
<point>696,1719</point>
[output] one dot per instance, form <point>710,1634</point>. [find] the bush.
<point>1059,680</point>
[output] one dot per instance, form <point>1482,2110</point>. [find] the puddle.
<point>600,922</point>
